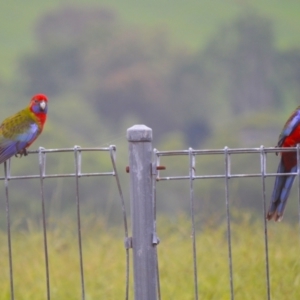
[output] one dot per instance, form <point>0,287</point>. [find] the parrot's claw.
<point>21,153</point>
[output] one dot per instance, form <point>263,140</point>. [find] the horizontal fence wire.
<point>226,151</point>
<point>42,150</point>
<point>42,154</point>
<point>227,174</point>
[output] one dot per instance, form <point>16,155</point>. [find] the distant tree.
<point>52,71</point>
<point>63,37</point>
<point>196,132</point>
<point>69,24</point>
<point>120,70</point>
<point>241,59</point>
<point>190,84</point>
<point>126,71</point>
<point>288,71</point>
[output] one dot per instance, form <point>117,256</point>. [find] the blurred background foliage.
<point>201,74</point>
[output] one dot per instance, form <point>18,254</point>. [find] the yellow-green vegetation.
<point>104,261</point>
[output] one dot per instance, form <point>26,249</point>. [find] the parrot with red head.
<point>19,131</point>
<point>289,137</point>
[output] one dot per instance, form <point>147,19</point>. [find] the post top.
<point>139,133</point>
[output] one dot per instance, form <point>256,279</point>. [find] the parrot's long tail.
<point>281,191</point>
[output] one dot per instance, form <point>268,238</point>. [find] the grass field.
<point>104,262</point>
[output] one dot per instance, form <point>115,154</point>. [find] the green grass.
<point>104,261</point>
<point>104,264</point>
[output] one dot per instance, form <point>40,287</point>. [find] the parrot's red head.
<point>39,106</point>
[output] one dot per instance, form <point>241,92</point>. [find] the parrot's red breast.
<point>289,159</point>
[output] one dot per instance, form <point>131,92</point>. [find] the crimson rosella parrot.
<point>289,137</point>
<point>19,131</point>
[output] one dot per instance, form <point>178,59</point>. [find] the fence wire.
<point>157,176</point>
<point>42,176</point>
<point>226,175</point>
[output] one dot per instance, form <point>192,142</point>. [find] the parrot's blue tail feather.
<point>281,191</point>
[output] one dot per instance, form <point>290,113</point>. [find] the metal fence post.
<point>140,166</point>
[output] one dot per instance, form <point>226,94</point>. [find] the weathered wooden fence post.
<point>140,167</point>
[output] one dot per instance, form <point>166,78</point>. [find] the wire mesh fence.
<point>227,175</point>
<point>42,176</point>
<point>149,171</point>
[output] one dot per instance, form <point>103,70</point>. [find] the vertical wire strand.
<point>263,181</point>
<point>11,277</point>
<point>227,176</point>
<point>191,175</point>
<point>42,165</point>
<point>77,154</point>
<point>113,161</point>
<point>155,239</point>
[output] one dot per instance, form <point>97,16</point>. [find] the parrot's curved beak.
<point>43,105</point>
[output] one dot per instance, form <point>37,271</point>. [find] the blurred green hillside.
<point>200,73</point>
<point>191,22</point>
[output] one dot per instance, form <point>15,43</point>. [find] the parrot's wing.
<point>289,126</point>
<point>14,145</point>
<point>9,149</point>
